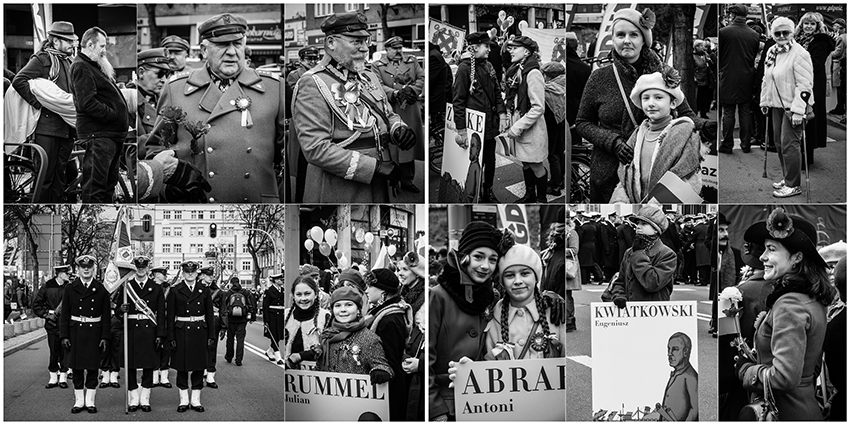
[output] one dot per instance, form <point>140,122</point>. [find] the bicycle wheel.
<point>20,181</point>
<point>580,182</point>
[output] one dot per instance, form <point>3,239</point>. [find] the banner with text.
<point>462,165</point>
<point>644,361</point>
<point>514,217</point>
<point>511,390</point>
<point>325,396</point>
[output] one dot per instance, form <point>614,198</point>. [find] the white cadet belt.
<point>137,317</point>
<point>191,318</point>
<point>215,313</point>
<point>84,319</point>
<point>277,307</point>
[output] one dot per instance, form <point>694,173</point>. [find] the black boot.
<point>487,196</point>
<point>542,182</point>
<point>530,187</point>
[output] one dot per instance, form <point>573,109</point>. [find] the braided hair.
<point>472,49</point>
<point>539,302</point>
<point>312,284</point>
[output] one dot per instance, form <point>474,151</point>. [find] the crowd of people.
<point>523,99</point>
<point>778,75</point>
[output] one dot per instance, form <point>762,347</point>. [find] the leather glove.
<point>124,308</point>
<point>620,302</point>
<point>624,152</point>
<point>404,137</point>
<point>210,343</point>
<point>222,334</point>
<point>379,376</point>
<point>391,172</point>
<point>188,179</point>
<point>103,345</point>
<point>173,344</point>
<point>66,343</point>
<point>407,94</point>
<point>157,343</point>
<point>741,364</point>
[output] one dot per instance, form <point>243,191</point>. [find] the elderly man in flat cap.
<point>84,329</point>
<point>51,62</point>
<point>178,50</point>
<point>190,333</point>
<point>403,80</point>
<point>47,305</point>
<point>233,128</point>
<point>309,57</point>
<point>343,122</point>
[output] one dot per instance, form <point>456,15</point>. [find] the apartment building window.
<point>322,9</point>
<point>166,232</point>
<point>178,232</point>
<point>246,266</point>
<point>166,248</point>
<point>178,248</point>
<point>166,215</point>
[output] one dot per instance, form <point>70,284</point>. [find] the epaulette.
<point>180,75</point>
<point>410,59</point>
<point>268,74</point>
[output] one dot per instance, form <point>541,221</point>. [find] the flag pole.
<point>126,357</point>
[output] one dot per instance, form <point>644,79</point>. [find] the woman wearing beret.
<point>525,99</point>
<point>787,73</point>
<point>605,116</point>
<point>304,323</point>
<point>411,275</point>
<point>460,307</point>
<point>789,337</point>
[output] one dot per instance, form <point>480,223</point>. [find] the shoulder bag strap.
<point>768,392</point>
<point>528,340</point>
<point>623,94</point>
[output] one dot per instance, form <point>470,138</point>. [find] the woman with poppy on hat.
<point>389,318</point>
<point>411,274</point>
<point>789,337</point>
<point>304,323</point>
<point>459,308</point>
<point>605,117</point>
<point>347,345</point>
<point>525,99</point>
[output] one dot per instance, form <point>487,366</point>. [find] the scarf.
<point>301,315</point>
<point>804,39</point>
<point>516,95</point>
<point>647,63</point>
<point>783,287</point>
<point>556,97</point>
<point>413,293</point>
<point>648,240</point>
<point>775,50</point>
<point>455,283</point>
<point>337,332</point>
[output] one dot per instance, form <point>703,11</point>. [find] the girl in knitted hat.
<point>347,345</point>
<point>304,323</point>
<point>459,308</point>
<point>411,275</point>
<point>661,143</point>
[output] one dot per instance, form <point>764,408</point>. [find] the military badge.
<point>244,104</point>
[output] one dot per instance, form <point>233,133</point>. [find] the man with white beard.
<point>102,117</point>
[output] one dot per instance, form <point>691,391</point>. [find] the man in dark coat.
<point>51,62</point>
<point>84,331</point>
<point>102,117</point>
<point>160,376</point>
<point>274,319</point>
<point>237,313</point>
<point>577,74</point>
<point>729,268</point>
<point>610,246</point>
<point>737,67</point>
<point>113,358</point>
<point>48,305</point>
<point>689,252</point>
<point>587,248</point>
<point>625,238</point>
<point>440,84</point>
<point>703,253</point>
<point>191,332</point>
<point>145,310</point>
<point>206,275</point>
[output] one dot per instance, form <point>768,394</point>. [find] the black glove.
<point>391,172</point>
<point>741,363</point>
<point>188,181</point>
<point>557,307</point>
<point>379,376</point>
<point>210,343</point>
<point>173,344</point>
<point>407,94</point>
<point>404,137</point>
<point>157,343</point>
<point>66,343</point>
<point>124,308</point>
<point>624,152</point>
<point>710,127</point>
<point>620,302</point>
<point>103,345</point>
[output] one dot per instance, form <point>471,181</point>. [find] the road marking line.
<point>582,360</point>
<point>260,352</point>
<point>502,161</point>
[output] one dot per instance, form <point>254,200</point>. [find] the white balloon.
<point>391,250</point>
<point>317,234</point>
<point>523,25</point>
<point>343,263</point>
<point>330,237</point>
<point>367,246</point>
<point>359,235</point>
<point>369,237</point>
<point>309,244</point>
<point>502,14</point>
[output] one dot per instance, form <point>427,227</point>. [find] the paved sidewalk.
<point>23,341</point>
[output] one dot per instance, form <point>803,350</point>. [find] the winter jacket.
<point>40,66</point>
<point>307,332</point>
<point>101,109</point>
<point>553,274</point>
<point>391,328</point>
<point>578,73</point>
<point>587,240</point>
<point>791,74</point>
<point>485,96</point>
<point>520,323</point>
<point>360,353</point>
<point>819,50</point>
<point>646,274</point>
<point>250,312</point>
<point>737,62</point>
<point>440,80</point>
<point>532,143</point>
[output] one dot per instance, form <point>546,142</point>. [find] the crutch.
<point>805,96</point>
<point>765,110</point>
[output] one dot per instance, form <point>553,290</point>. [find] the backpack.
<point>237,306</point>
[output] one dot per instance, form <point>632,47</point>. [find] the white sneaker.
<point>787,192</point>
<point>779,185</point>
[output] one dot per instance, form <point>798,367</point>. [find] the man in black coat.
<point>160,376</point>
<point>587,248</point>
<point>48,305</point>
<point>274,317</point>
<point>102,117</point>
<point>577,74</point>
<point>191,333</point>
<point>52,62</point>
<point>145,310</point>
<point>625,238</point>
<point>207,277</point>
<point>440,82</point>
<point>238,309</point>
<point>737,67</point>
<point>610,246</point>
<point>84,331</point>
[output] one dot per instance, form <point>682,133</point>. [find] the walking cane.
<point>805,96</point>
<point>764,111</point>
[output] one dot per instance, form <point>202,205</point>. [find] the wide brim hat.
<point>652,215</point>
<point>63,30</point>
<point>643,21</point>
<point>794,233</point>
<point>656,80</point>
<point>522,255</point>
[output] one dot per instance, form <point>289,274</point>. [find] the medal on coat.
<point>539,341</point>
<point>243,104</point>
<point>349,95</point>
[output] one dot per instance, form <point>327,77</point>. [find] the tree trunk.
<point>153,28</point>
<point>384,26</point>
<point>683,49</point>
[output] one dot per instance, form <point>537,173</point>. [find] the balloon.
<point>331,236</point>
<point>502,14</point>
<point>507,23</point>
<point>391,250</point>
<point>540,25</point>
<point>359,234</point>
<point>369,237</point>
<point>367,246</point>
<point>309,244</point>
<point>339,255</point>
<point>316,233</point>
<point>523,25</point>
<point>343,263</point>
<point>325,249</point>
<point>492,32</point>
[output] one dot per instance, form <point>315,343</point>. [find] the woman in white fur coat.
<point>788,72</point>
<point>525,97</point>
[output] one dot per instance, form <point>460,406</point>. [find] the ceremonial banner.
<point>634,351</point>
<point>122,252</point>
<point>515,218</point>
<point>325,396</point>
<point>511,390</point>
<point>462,166</point>
<point>552,43</point>
<point>448,37</point>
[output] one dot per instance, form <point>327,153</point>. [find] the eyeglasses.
<point>163,73</point>
<point>358,41</point>
<point>781,33</point>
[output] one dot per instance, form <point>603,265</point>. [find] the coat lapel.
<point>226,103</point>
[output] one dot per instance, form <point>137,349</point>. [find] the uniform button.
<point>520,313</point>
<point>473,333</point>
<point>521,342</point>
<point>209,150</point>
<point>212,199</point>
<point>147,117</point>
<point>248,150</point>
<point>212,174</point>
<point>247,175</point>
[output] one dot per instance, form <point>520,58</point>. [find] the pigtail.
<point>542,306</point>
<point>504,321</point>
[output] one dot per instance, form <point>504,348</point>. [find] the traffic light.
<point>213,230</point>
